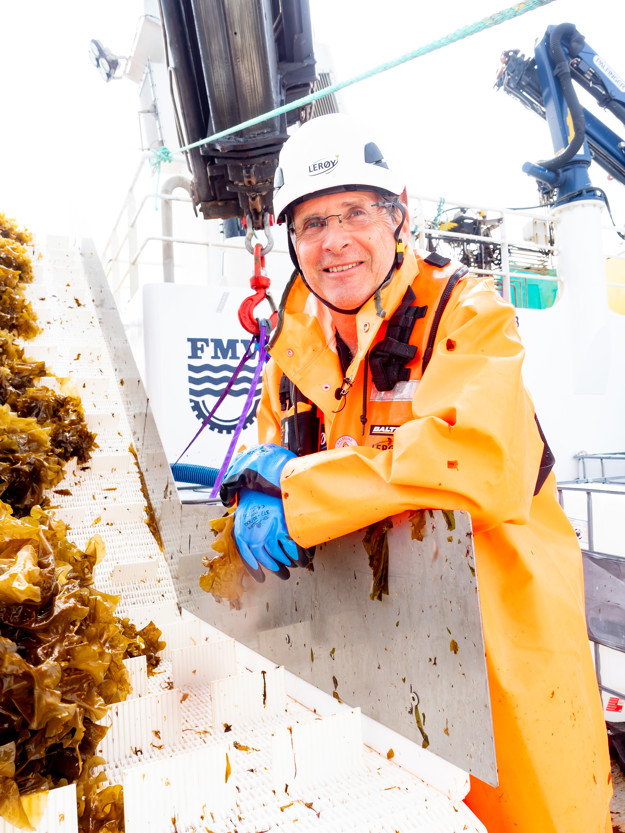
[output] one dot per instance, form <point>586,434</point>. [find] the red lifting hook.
<point>259,282</point>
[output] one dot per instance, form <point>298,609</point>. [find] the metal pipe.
<point>167,223</point>
<point>132,246</point>
<point>421,224</point>
<point>538,215</point>
<point>458,235</point>
<point>132,263</point>
<point>574,487</point>
<point>133,221</point>
<point>233,246</point>
<point>183,240</point>
<point>166,240</point>
<point>497,273</point>
<point>144,157</point>
<point>161,196</point>
<point>612,691</point>
<point>591,542</point>
<point>505,262</point>
<point>475,238</point>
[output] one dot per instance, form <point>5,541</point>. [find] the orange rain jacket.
<point>467,440</point>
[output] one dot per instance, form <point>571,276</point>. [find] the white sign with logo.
<point>193,344</point>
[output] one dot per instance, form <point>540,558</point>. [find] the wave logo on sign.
<point>210,364</point>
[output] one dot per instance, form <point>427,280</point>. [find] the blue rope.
<point>163,154</point>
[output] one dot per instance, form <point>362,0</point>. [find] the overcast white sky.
<point>69,142</point>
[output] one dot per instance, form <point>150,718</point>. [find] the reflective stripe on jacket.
<point>464,437</point>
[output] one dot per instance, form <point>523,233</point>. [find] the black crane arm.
<point>233,60</point>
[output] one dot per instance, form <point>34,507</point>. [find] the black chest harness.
<point>302,431</point>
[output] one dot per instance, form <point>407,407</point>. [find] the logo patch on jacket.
<point>383,445</point>
<point>383,429</point>
<point>210,364</point>
<point>345,440</point>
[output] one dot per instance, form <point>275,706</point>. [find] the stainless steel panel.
<point>414,661</point>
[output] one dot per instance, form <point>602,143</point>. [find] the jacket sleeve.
<point>266,413</point>
<point>472,443</point>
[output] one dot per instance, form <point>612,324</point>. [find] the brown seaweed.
<point>40,429</point>
<point>61,660</point>
<point>61,646</point>
<point>224,578</point>
<point>145,642</point>
<point>10,229</point>
<point>150,519</point>
<point>375,542</point>
<point>15,255</point>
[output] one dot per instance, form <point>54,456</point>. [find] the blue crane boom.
<point>544,84</point>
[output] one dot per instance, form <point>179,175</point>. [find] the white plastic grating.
<point>290,769</point>
<point>109,466</point>
<point>199,665</point>
<point>159,797</point>
<point>128,542</point>
<point>318,751</point>
<point>182,634</point>
<point>97,499</point>
<point>138,723</point>
<point>165,610</point>
<point>248,696</point>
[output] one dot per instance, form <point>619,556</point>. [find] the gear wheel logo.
<point>209,377</point>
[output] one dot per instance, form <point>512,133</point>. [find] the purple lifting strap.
<point>246,356</point>
<point>263,337</point>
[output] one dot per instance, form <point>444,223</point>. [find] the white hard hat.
<point>330,153</point>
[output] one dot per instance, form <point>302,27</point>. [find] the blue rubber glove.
<point>257,468</point>
<point>262,538</point>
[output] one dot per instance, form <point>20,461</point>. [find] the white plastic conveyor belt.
<point>215,741</point>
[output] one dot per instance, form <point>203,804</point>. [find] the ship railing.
<point>605,460</point>
<point>502,222</point>
<point>146,219</point>
<point>595,510</point>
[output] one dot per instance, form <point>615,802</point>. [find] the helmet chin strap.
<point>397,262</point>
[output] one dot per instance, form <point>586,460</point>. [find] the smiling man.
<point>345,251</point>
<point>394,384</point>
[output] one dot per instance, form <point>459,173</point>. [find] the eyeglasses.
<point>355,218</point>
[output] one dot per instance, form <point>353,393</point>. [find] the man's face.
<point>344,265</point>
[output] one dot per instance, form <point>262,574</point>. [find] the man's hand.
<point>257,468</point>
<point>262,537</point>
